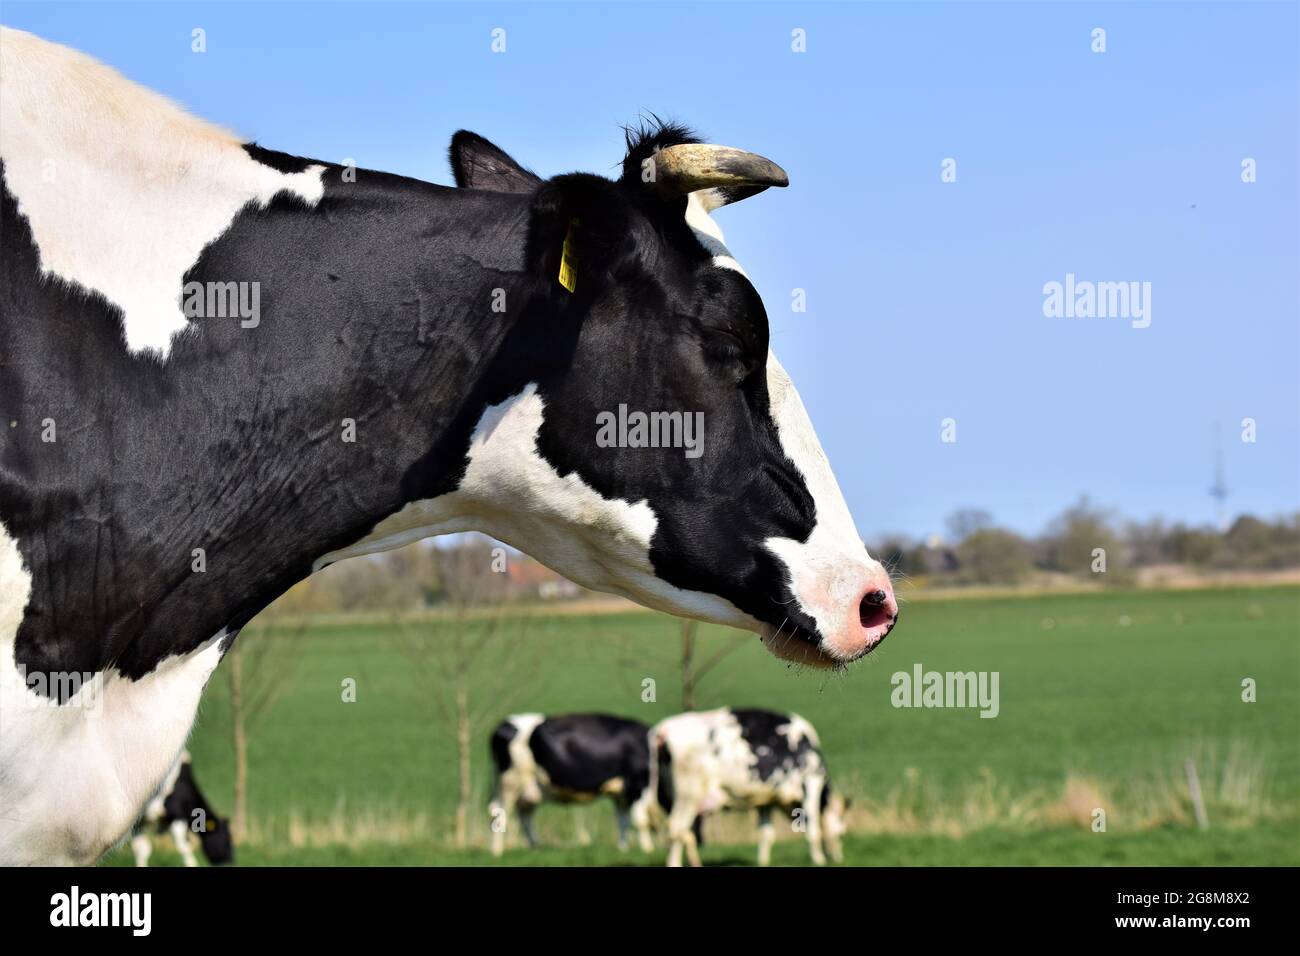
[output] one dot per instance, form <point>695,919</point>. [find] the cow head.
<point>215,839</point>
<point>642,331</point>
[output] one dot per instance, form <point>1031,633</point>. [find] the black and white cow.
<point>226,367</point>
<point>179,808</point>
<point>573,758</point>
<point>733,758</point>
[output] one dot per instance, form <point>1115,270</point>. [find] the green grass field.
<point>1103,699</point>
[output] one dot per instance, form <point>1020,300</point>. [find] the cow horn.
<point>734,173</point>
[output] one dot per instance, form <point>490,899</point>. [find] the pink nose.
<point>877,613</point>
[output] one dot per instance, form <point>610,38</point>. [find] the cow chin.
<point>798,649</point>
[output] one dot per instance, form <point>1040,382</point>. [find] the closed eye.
<point>723,345</point>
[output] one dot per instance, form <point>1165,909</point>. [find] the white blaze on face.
<point>121,187</point>
<point>708,233</point>
<point>831,571</point>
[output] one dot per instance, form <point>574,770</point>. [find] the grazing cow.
<point>177,808</point>
<point>225,367</point>
<point>740,759</point>
<point>574,758</point>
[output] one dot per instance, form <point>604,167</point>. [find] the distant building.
<point>529,578</point>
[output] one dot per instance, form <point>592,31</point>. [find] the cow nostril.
<point>871,611</point>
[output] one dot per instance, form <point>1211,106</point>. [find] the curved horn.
<point>688,167</point>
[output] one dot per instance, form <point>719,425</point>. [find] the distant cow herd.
<point>670,776</point>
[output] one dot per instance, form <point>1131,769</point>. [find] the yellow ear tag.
<point>568,262</point>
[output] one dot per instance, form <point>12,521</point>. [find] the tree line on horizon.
<point>1089,542</point>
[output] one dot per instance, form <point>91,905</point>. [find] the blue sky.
<point>924,298</point>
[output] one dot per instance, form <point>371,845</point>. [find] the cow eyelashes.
<point>724,346</point>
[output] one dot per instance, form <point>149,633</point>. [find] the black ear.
<point>584,221</point>
<point>477,164</point>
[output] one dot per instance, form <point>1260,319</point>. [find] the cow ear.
<point>478,164</point>
<point>580,233</point>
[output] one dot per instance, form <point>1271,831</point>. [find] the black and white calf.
<point>225,367</point>
<point>734,758</point>
<point>180,809</point>
<point>574,758</point>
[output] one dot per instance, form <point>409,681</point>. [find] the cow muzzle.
<point>851,620</point>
